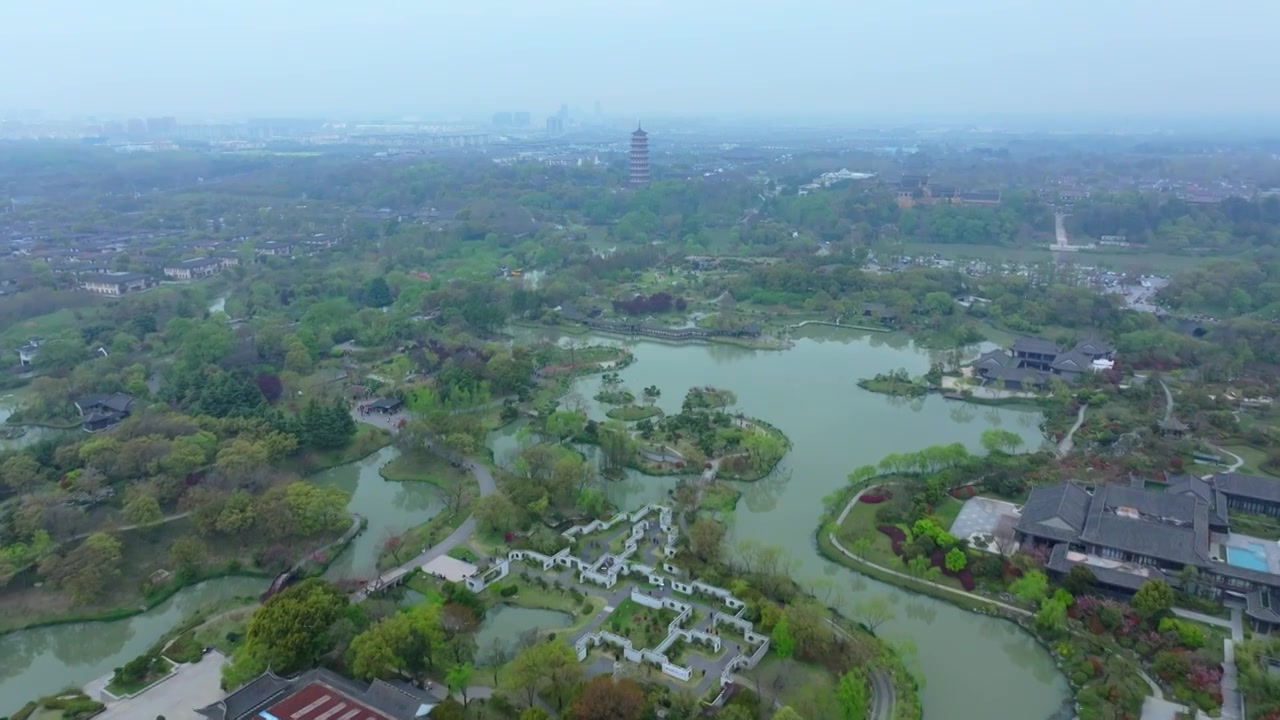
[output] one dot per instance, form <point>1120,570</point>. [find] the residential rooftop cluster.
<point>1128,534</point>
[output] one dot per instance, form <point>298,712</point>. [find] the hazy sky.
<point>434,58</point>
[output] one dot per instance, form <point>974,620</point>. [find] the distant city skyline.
<point>450,58</point>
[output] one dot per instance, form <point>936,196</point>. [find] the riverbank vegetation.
<point>898,382</point>
<point>898,533</point>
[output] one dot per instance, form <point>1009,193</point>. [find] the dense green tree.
<point>377,293</point>
<point>85,571</point>
<point>291,631</point>
<point>1079,580</point>
<point>606,698</point>
<point>852,695</point>
<point>1153,601</point>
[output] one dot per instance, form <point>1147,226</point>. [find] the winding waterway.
<point>976,668</point>
<point>390,507</point>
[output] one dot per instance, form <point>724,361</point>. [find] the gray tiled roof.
<point>1094,347</point>
<point>1071,361</point>
<point>1251,487</point>
<point>994,358</point>
<point>1058,562</point>
<point>1169,527</point>
<point>1039,346</point>
<point>1202,490</point>
<point>248,698</point>
<point>1057,512</point>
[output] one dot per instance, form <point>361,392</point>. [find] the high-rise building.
<point>161,126</point>
<point>555,126</point>
<point>639,157</point>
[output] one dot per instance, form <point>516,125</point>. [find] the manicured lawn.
<point>946,511</point>
<point>422,467</point>
<point>1253,459</point>
<point>645,627</point>
<point>632,413</point>
<point>1262,526</point>
<point>531,595</point>
<point>368,440</point>
<point>55,324</point>
<point>225,632</point>
<point>861,523</point>
<point>721,497</point>
<point>464,553</point>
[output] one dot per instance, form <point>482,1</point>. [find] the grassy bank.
<point>422,467</point>
<point>368,440</point>
<point>632,413</point>
<point>429,534</point>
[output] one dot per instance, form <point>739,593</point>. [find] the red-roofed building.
<point>321,695</point>
<point>318,701</point>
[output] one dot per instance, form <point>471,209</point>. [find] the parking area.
<point>193,686</point>
<point>987,523</point>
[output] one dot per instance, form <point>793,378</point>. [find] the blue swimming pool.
<point>1253,557</point>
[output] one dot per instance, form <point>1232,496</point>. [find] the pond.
<point>42,661</point>
<point>503,625</point>
<point>810,392</point>
<point>390,507</point>
<point>10,400</point>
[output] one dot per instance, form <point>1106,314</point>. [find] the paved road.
<point>882,695</point>
<point>194,685</point>
<point>484,479</point>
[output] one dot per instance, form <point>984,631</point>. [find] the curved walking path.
<point>1068,443</point>
<point>1233,466</point>
<point>1168,402</point>
<point>484,479</point>
<point>134,526</point>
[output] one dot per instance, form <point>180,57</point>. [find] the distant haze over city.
<point>466,60</point>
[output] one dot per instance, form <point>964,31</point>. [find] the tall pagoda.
<point>639,157</point>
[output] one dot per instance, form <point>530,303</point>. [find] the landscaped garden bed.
<point>139,673</point>
<point>632,413</point>
<point>615,397</point>
<point>644,627</point>
<point>875,496</point>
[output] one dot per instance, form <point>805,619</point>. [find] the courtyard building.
<point>193,268</point>
<point>321,695</point>
<point>1129,534</point>
<point>121,283</point>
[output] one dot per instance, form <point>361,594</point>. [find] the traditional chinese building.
<point>639,157</point>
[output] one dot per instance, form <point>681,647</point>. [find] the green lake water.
<point>810,393</point>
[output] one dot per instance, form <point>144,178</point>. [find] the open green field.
<point>1253,459</point>
<point>422,467</point>
<point>861,524</point>
<point>55,324</point>
<point>368,440</point>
